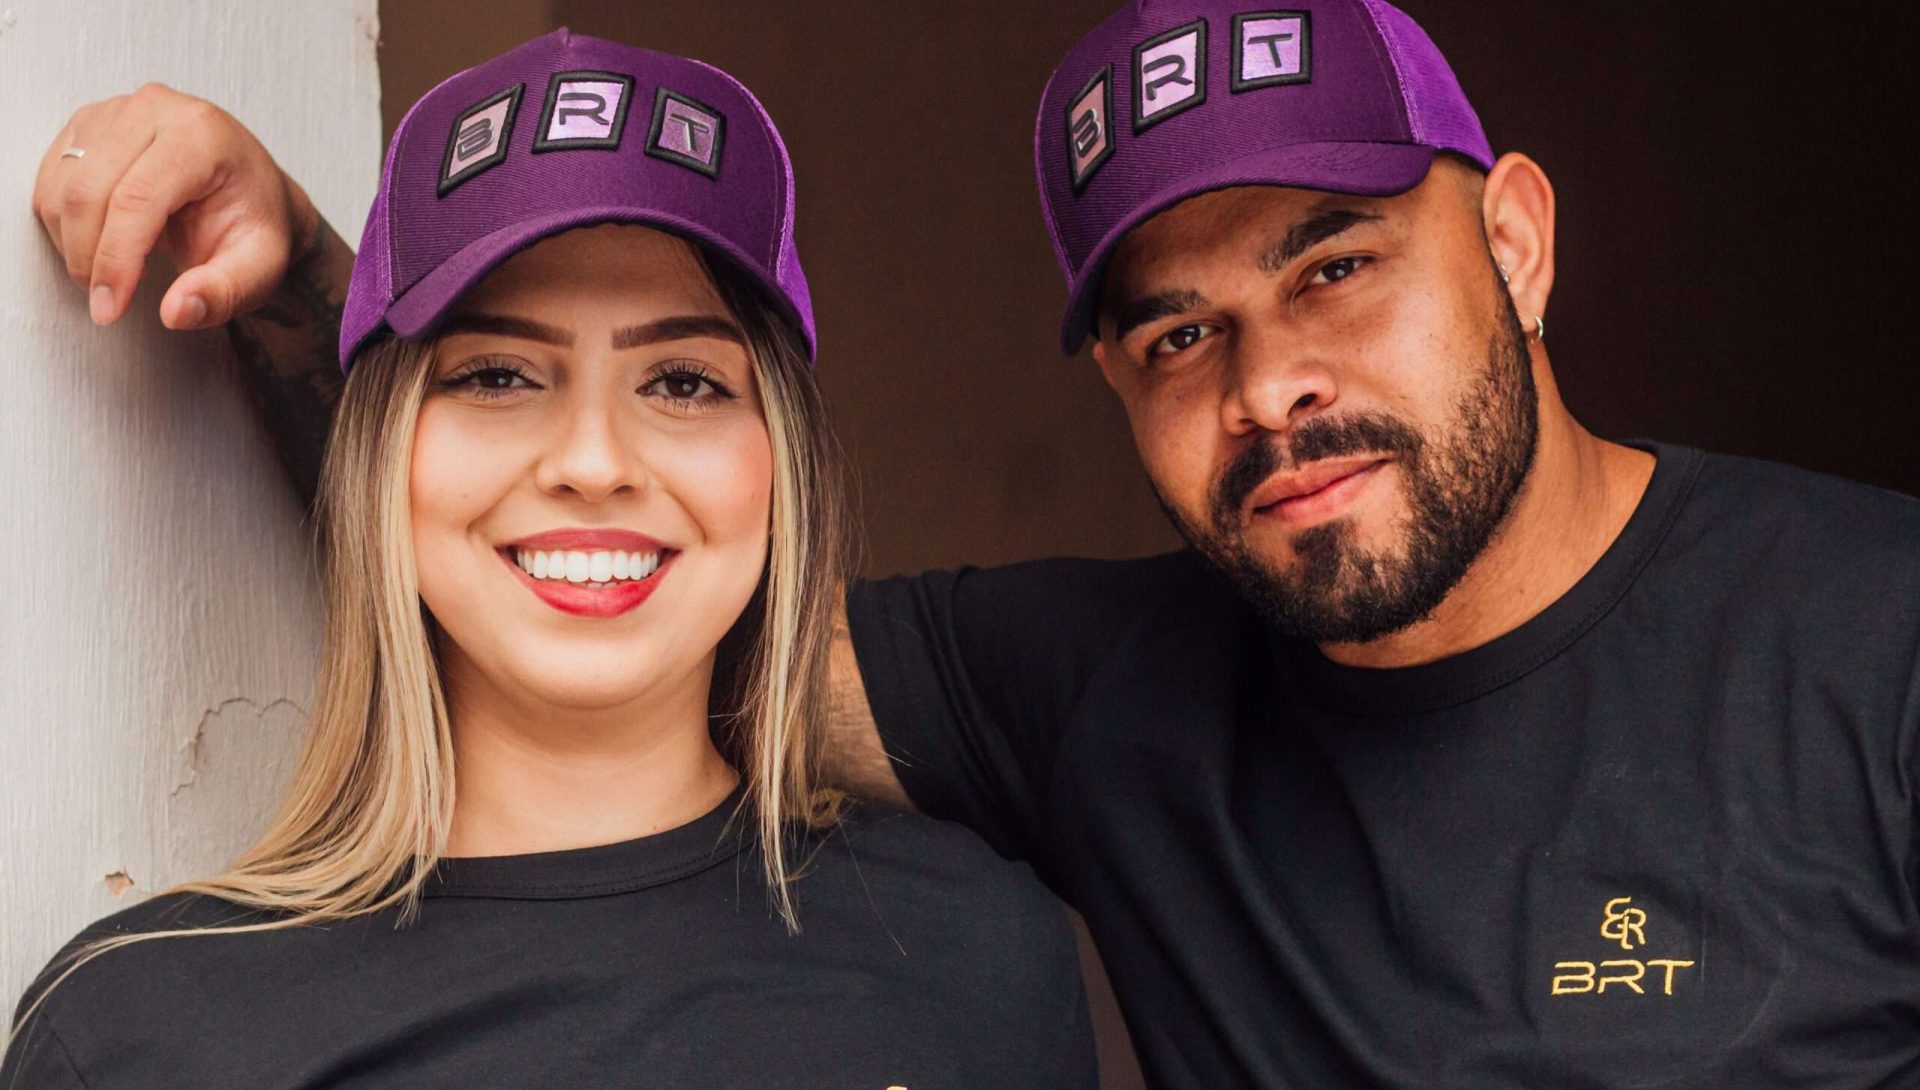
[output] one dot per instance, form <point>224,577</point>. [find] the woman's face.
<point>591,476</point>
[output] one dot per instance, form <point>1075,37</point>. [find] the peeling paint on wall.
<point>229,781</point>
<point>193,753</point>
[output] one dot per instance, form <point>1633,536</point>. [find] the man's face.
<point>1332,395</point>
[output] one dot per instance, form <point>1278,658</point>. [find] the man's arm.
<point>158,170</point>
<point>856,761</point>
<point>975,678</point>
<point>289,349</point>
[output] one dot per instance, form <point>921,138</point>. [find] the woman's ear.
<point>1517,213</point>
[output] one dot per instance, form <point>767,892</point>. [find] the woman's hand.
<point>168,170</point>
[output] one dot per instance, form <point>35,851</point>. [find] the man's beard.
<point>1460,486</point>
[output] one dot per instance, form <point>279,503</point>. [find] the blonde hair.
<point>366,816</point>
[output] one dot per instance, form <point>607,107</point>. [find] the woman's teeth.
<point>587,568</point>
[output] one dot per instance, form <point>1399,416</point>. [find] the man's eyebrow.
<point>506,325</point>
<point>1310,232</point>
<point>1135,313</point>
<point>678,328</point>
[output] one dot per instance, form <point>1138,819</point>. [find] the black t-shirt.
<point>924,961</point>
<point>1662,834</point>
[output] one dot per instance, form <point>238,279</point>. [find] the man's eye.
<point>1338,269</point>
<point>1179,340</point>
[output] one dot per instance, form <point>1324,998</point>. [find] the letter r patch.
<point>1169,74</point>
<point>584,110</point>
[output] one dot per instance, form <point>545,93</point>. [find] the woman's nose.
<point>593,454</point>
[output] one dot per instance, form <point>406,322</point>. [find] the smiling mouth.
<point>590,582</point>
<point>594,569</point>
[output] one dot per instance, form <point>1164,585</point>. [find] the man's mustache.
<point>1315,440</point>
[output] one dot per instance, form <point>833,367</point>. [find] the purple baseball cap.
<point>1169,99</point>
<point>562,132</point>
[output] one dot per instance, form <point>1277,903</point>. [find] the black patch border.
<point>654,148</point>
<point>1079,179</point>
<point>1141,123</point>
<point>1237,85</point>
<point>609,143</point>
<point>449,184</point>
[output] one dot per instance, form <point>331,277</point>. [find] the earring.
<point>1539,328</point>
<point>1503,271</point>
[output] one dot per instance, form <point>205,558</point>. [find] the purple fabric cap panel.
<point>561,132</point>
<point>1168,99</point>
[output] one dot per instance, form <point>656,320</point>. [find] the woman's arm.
<point>162,171</point>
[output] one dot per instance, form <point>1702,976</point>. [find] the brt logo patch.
<point>1625,925</point>
<point>584,110</point>
<point>1090,128</point>
<point>1169,74</point>
<point>479,138</point>
<point>688,132</point>
<point>1271,47</point>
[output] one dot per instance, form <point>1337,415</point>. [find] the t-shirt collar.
<point>606,869</point>
<point>1431,686</point>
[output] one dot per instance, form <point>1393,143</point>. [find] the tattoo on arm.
<point>856,762</point>
<point>289,350</point>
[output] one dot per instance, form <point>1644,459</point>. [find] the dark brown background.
<point>1734,248</point>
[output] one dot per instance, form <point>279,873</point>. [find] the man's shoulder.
<point>1803,520</point>
<point>1814,551</point>
<point>1086,595</point>
<point>1757,486</point>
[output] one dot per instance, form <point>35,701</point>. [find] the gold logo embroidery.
<point>1626,925</point>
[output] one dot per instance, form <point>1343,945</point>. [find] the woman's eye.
<point>1179,340</point>
<point>496,378</point>
<point>492,380</point>
<point>1338,269</point>
<point>688,387</point>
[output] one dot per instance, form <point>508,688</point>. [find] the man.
<point>1463,748</point>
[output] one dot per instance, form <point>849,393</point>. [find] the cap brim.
<point>420,308</point>
<point>1362,169</point>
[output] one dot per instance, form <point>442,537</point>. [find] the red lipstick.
<point>610,599</point>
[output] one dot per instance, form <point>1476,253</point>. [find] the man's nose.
<point>1274,380</point>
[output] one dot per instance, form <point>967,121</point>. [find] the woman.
<point>582,523</point>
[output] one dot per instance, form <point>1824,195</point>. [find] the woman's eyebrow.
<point>505,325</point>
<point>678,328</point>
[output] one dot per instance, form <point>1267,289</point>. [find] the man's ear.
<point>1517,213</point>
<point>1106,354</point>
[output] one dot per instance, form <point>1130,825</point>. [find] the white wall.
<point>158,609</point>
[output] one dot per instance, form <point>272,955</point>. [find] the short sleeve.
<point>974,675</point>
<point>39,1060</point>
